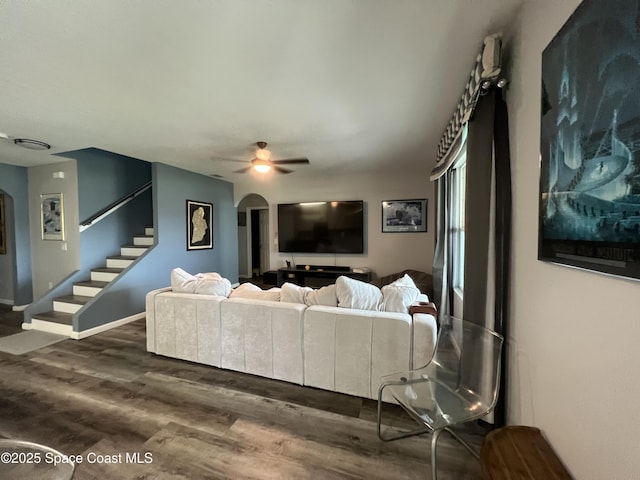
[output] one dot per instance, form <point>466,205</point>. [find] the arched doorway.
<point>253,236</point>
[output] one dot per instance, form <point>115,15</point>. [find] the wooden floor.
<point>106,395</point>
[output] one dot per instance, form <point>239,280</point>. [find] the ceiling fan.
<point>263,163</point>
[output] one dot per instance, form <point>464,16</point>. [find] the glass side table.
<point>20,460</point>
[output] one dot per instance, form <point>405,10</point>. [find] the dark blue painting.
<point>590,140</point>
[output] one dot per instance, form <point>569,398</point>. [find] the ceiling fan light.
<point>263,154</point>
<point>261,166</point>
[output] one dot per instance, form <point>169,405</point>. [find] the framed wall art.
<point>589,214</point>
<point>3,228</point>
<point>199,225</point>
<point>404,215</point>
<point>52,216</point>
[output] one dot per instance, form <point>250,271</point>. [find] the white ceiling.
<point>350,84</point>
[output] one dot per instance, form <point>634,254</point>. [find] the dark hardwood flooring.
<point>108,396</point>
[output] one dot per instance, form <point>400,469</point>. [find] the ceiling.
<point>349,84</point>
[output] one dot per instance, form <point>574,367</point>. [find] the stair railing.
<point>109,209</point>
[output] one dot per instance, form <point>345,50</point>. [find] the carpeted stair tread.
<point>107,270</point>
<point>122,257</point>
<point>76,299</point>
<point>56,317</point>
<point>91,283</point>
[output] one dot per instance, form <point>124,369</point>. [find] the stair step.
<point>54,317</point>
<point>70,303</point>
<point>53,322</point>
<point>89,288</point>
<point>105,274</point>
<point>146,240</point>
<point>149,231</point>
<point>132,250</point>
<point>120,261</point>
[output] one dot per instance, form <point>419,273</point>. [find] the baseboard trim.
<point>51,327</point>
<point>106,326</point>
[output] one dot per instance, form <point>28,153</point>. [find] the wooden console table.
<point>520,453</point>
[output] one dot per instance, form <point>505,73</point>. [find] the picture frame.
<point>589,202</point>
<point>3,228</point>
<point>400,216</point>
<point>52,216</point>
<point>199,225</point>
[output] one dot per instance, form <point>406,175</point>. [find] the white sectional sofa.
<point>325,346</point>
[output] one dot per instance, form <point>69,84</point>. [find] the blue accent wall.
<point>14,182</point>
<point>104,177</point>
<point>172,187</point>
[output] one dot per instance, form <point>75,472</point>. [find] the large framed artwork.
<point>3,230</point>
<point>52,216</point>
<point>199,225</point>
<point>404,215</point>
<point>589,214</point>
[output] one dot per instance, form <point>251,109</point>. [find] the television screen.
<point>321,227</point>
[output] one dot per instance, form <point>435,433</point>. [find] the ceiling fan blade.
<point>281,170</point>
<point>243,170</point>
<point>291,161</point>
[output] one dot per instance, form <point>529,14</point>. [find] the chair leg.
<point>434,440</point>
<point>405,434</point>
<point>434,465</point>
<point>463,443</point>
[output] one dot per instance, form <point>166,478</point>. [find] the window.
<point>459,182</point>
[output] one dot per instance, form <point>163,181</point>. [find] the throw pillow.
<point>323,296</point>
<point>213,286</point>
<point>293,293</point>
<point>404,281</point>
<point>356,294</point>
<point>202,283</point>
<point>249,290</point>
<point>182,281</point>
<point>399,295</point>
<point>208,275</point>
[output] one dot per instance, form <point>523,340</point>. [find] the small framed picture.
<point>52,216</point>
<point>404,215</point>
<point>199,225</point>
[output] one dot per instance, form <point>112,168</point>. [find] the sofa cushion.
<point>323,296</point>
<point>202,283</point>
<point>293,293</point>
<point>249,290</point>
<point>399,295</point>
<point>359,295</point>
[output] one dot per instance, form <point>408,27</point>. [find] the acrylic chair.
<point>459,384</point>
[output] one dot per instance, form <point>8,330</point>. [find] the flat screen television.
<point>321,227</point>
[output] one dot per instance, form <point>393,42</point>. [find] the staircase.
<point>59,320</point>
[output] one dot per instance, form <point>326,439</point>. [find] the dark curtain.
<point>488,224</point>
<point>487,231</point>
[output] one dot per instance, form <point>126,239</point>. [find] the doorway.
<point>258,229</point>
<point>253,236</point>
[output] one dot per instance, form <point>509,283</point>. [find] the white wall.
<point>574,356</point>
<point>385,253</point>
<point>50,263</point>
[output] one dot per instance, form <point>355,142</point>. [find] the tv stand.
<point>323,268</point>
<point>318,275</point>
